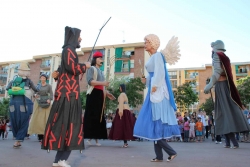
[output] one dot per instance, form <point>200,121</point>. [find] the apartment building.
<point>180,76</point>
<point>126,60</point>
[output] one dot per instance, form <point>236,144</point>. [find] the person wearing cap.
<point>64,128</point>
<point>21,104</point>
<point>41,109</point>
<point>94,121</point>
<point>228,116</point>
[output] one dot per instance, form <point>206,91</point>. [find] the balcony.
<point>124,57</point>
<point>3,79</point>
<point>172,76</point>
<point>124,71</point>
<point>2,91</point>
<point>190,77</point>
<point>241,72</point>
<point>45,66</point>
<point>3,72</point>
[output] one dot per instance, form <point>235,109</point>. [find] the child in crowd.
<point>181,130</point>
<point>186,129</point>
<point>199,127</point>
<point>191,130</point>
<point>108,124</point>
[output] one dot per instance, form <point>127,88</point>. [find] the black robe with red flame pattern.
<point>64,129</point>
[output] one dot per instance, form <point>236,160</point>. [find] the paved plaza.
<point>138,154</point>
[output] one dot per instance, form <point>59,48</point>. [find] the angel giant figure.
<point>156,120</point>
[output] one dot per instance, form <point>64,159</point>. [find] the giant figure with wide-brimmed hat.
<point>21,106</point>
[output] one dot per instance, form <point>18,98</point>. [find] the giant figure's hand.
<point>87,64</point>
<point>55,74</point>
<point>207,88</point>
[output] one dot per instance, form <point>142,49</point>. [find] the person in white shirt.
<point>191,130</point>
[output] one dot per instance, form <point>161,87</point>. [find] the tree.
<point>243,86</point>
<point>208,106</point>
<point>4,107</point>
<point>185,96</point>
<point>134,91</point>
<point>83,97</point>
<point>134,88</point>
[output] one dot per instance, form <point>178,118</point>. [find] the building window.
<point>174,83</point>
<point>172,74</point>
<point>131,75</point>
<point>16,66</point>
<point>132,63</point>
<point>125,66</point>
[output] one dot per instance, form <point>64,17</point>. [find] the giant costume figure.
<point>94,121</point>
<point>156,120</point>
<point>21,106</point>
<point>228,115</point>
<point>64,129</point>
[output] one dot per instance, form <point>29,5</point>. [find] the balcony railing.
<point>174,86</point>
<point>3,71</point>
<point>123,70</point>
<point>45,66</point>
<point>241,71</point>
<point>190,77</point>
<point>173,76</point>
<point>124,57</point>
<point>2,91</point>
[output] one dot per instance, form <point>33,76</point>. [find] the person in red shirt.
<point>186,129</point>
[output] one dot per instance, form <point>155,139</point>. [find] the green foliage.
<point>185,96</point>
<point>134,88</point>
<point>4,107</point>
<point>208,106</point>
<point>83,97</point>
<point>243,86</point>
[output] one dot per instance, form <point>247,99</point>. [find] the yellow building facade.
<point>179,76</point>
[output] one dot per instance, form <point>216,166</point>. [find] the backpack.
<point>17,86</point>
<point>42,102</point>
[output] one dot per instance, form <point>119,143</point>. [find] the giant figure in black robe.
<point>64,129</point>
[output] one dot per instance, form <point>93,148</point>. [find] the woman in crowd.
<point>123,124</point>
<point>41,108</point>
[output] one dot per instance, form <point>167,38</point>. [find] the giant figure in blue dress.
<point>157,120</point>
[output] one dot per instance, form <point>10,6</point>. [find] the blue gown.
<point>157,119</point>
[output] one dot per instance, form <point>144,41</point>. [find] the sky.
<point>30,28</point>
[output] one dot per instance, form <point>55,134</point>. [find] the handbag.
<point>42,102</point>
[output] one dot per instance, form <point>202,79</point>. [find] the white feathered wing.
<point>172,51</point>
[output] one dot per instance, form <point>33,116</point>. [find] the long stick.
<point>96,40</point>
